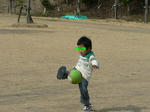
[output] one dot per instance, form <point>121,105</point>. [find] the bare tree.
<point>116,9</point>
<point>29,18</point>
<point>78,7</point>
<point>146,11</point>
<point>10,5</point>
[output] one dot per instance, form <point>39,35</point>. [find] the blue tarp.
<point>74,17</point>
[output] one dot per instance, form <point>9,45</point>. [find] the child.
<point>85,65</point>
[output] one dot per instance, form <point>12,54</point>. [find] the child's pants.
<point>84,98</point>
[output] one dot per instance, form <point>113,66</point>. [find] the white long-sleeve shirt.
<point>85,63</point>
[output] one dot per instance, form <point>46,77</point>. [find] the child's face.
<point>83,52</point>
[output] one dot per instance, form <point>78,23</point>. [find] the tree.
<point>116,9</point>
<point>78,7</point>
<point>10,6</point>
<point>29,18</point>
<point>146,11</point>
<point>126,3</point>
<point>67,1</point>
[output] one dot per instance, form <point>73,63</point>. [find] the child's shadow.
<point>129,108</point>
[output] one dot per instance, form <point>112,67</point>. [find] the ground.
<point>30,57</point>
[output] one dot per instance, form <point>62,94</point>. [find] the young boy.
<point>85,65</point>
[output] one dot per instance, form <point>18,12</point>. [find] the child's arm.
<point>94,63</point>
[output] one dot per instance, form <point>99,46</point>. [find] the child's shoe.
<point>87,107</point>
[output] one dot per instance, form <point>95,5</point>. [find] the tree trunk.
<point>29,18</point>
<point>67,1</point>
<point>14,8</point>
<point>128,9</point>
<point>116,9</point>
<point>10,6</point>
<point>146,11</point>
<point>44,10</point>
<point>78,7</point>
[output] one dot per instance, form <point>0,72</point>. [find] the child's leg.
<point>84,98</point>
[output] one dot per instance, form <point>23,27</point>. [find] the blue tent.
<point>74,17</point>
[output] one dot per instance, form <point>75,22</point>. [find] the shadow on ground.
<point>130,108</point>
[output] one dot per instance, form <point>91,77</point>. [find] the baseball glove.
<point>62,73</point>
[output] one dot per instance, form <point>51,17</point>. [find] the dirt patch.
<point>33,25</point>
<point>21,31</point>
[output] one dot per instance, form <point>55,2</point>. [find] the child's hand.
<point>95,67</point>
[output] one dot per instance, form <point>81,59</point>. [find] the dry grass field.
<point>30,57</point>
